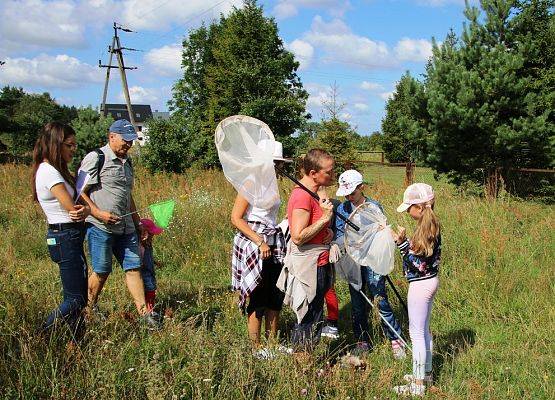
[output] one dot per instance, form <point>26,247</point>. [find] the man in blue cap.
<point>111,229</point>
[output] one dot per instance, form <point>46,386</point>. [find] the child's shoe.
<point>398,349</point>
<point>330,331</point>
<point>411,389</point>
<point>264,354</point>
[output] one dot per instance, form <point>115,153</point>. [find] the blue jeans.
<point>307,333</point>
<point>66,250</point>
<point>102,245</point>
<point>147,270</point>
<point>374,285</point>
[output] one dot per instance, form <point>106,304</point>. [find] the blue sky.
<point>362,45</point>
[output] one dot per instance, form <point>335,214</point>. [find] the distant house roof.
<point>161,114</point>
<point>141,112</point>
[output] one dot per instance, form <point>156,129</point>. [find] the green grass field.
<point>493,320</point>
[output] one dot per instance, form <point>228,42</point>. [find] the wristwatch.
<point>260,244</point>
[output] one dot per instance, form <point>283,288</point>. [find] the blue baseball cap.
<point>124,128</point>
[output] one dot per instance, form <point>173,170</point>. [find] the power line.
<point>157,38</point>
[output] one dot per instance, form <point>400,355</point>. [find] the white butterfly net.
<point>245,149</point>
<point>372,245</point>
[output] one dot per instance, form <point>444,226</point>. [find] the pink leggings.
<point>420,300</point>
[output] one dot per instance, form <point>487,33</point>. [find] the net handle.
<point>316,197</point>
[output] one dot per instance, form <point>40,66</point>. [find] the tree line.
<point>485,104</point>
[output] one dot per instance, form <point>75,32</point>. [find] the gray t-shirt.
<point>113,194</point>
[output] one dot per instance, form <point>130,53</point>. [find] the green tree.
<point>482,105</point>
<point>373,142</point>
<point>405,124</point>
<point>334,134</point>
<point>297,145</point>
<point>22,115</point>
<point>338,138</point>
<point>169,145</point>
<point>237,65</point>
<point>91,129</point>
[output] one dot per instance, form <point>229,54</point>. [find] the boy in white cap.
<point>351,186</point>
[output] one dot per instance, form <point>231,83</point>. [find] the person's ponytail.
<point>426,233</point>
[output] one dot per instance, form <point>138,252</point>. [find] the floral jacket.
<point>419,267</point>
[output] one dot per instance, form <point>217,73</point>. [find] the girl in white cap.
<point>421,257</point>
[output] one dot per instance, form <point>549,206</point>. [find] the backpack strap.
<point>99,162</point>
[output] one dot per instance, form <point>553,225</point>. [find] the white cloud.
<point>303,52</point>
<point>413,50</point>
<point>61,71</point>
<point>36,24</point>
<point>58,23</point>
<point>441,3</point>
<point>345,116</point>
<point>289,8</point>
<point>317,95</point>
<point>285,10</point>
<point>165,60</point>
<point>341,45</point>
<point>361,106</point>
<point>370,86</point>
<point>386,95</point>
<point>159,15</point>
<point>141,95</point>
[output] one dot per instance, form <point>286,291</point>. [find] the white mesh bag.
<point>245,149</point>
<point>372,245</point>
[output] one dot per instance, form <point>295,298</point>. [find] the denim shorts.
<point>103,245</point>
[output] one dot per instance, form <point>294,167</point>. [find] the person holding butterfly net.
<point>257,260</point>
<point>308,274</point>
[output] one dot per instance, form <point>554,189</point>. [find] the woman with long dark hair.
<point>54,188</point>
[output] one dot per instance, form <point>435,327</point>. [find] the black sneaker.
<point>151,320</point>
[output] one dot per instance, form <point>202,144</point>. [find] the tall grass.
<point>493,319</point>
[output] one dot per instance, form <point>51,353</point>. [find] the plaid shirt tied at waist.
<point>246,263</point>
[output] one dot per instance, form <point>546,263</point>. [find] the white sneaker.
<point>330,332</point>
<point>264,354</point>
<point>284,350</point>
<point>412,389</point>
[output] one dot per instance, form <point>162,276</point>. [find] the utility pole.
<point>117,49</point>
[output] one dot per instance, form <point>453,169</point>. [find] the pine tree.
<point>483,114</point>
<point>405,124</point>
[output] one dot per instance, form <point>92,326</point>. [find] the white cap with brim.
<point>348,182</point>
<point>277,149</point>
<point>417,193</point>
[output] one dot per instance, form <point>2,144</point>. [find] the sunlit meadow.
<point>493,319</point>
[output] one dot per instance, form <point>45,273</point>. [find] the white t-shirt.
<point>48,176</point>
<point>267,216</point>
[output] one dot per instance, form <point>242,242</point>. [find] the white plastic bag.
<point>372,245</point>
<point>382,252</point>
